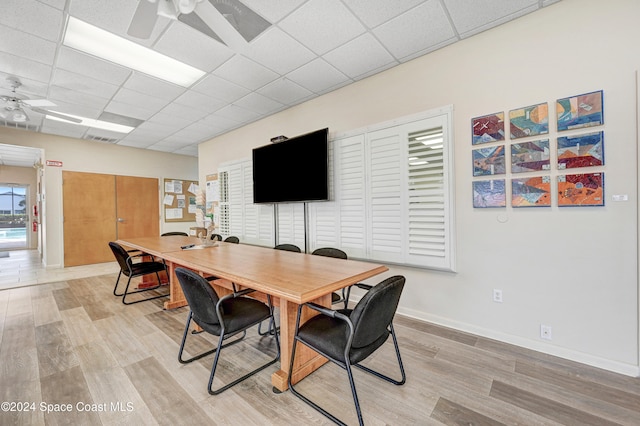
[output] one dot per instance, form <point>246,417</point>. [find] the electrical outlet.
<point>545,332</point>
<point>497,295</point>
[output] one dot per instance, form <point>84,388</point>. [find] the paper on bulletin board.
<point>173,213</point>
<point>168,200</point>
<point>213,191</point>
<point>194,188</point>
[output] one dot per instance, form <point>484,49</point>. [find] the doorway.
<point>14,216</point>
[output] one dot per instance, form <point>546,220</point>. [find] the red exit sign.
<point>54,163</point>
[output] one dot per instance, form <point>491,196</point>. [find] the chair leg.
<point>246,376</point>
<point>202,355</point>
<point>115,293</point>
<point>127,292</point>
<point>382,376</point>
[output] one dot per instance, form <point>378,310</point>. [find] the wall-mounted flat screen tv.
<point>294,170</point>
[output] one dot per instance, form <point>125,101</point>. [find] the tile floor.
<point>24,268</point>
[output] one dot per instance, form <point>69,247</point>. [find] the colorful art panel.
<point>581,151</point>
<point>529,121</point>
<point>585,189</point>
<point>489,193</point>
<point>531,192</point>
<point>488,128</point>
<point>580,111</point>
<point>530,156</point>
<point>488,161</point>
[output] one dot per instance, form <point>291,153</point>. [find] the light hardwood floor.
<point>73,342</point>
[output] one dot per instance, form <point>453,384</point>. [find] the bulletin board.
<point>179,202</point>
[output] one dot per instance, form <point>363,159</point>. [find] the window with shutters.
<point>392,197</point>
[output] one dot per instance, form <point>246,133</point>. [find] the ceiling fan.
<point>230,18</point>
<point>16,105</point>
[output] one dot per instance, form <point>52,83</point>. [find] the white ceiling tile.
<point>24,68</point>
<point>75,61</point>
<point>32,17</point>
<point>260,104</point>
<point>213,122</point>
<point>83,84</point>
<point>273,10</point>
<point>220,88</point>
<point>361,56</point>
<point>338,25</point>
<point>139,99</point>
<point>135,141</point>
<point>245,72</point>
<point>285,91</point>
<point>191,150</point>
<point>62,95</point>
<point>187,45</point>
<point>172,122</point>
<point>393,34</point>
<point>236,113</point>
<point>318,76</point>
<point>63,129</point>
<point>375,12</point>
<point>183,111</point>
<point>276,50</point>
<point>19,43</point>
<point>473,17</point>
<point>58,4</point>
<point>197,100</point>
<point>146,84</point>
<point>128,110</point>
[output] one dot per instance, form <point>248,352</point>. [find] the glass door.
<point>14,216</point>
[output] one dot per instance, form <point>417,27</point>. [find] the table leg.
<point>307,360</point>
<point>176,296</point>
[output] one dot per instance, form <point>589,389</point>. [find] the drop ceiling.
<point>311,48</point>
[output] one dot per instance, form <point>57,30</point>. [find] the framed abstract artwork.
<point>586,189</point>
<point>488,128</point>
<point>530,156</point>
<point>531,192</point>
<point>580,111</point>
<point>488,161</point>
<point>489,193</point>
<point>581,151</point>
<point>529,121</point>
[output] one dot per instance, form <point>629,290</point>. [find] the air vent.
<point>23,126</point>
<point>101,139</point>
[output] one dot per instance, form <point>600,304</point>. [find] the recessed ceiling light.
<point>96,124</point>
<point>105,45</point>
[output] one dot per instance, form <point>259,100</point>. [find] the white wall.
<point>94,157</point>
<point>574,269</point>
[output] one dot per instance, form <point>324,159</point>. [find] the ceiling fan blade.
<point>144,19</point>
<point>57,115</point>
<point>195,22</point>
<point>39,103</point>
<point>247,22</point>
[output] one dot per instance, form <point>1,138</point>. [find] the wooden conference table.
<point>290,278</point>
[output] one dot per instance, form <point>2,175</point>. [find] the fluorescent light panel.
<point>108,46</point>
<point>96,124</point>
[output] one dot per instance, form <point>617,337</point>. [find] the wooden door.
<point>137,207</point>
<point>89,217</point>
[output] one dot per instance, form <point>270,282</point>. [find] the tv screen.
<point>292,170</point>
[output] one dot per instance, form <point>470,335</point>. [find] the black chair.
<point>224,317</point>
<point>232,239</point>
<point>349,336</point>
<point>216,237</point>
<point>288,247</point>
<point>166,234</point>
<point>338,254</point>
<point>132,265</point>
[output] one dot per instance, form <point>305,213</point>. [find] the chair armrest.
<point>364,286</point>
<point>327,311</point>
<point>236,294</point>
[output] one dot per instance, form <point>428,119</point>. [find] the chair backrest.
<point>288,247</point>
<point>232,239</point>
<point>216,237</point>
<point>374,312</point>
<point>201,297</point>
<point>166,234</point>
<point>330,252</point>
<point>121,255</point>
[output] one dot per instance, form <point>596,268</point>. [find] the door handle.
<point>121,220</point>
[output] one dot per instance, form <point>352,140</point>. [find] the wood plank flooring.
<point>72,342</point>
